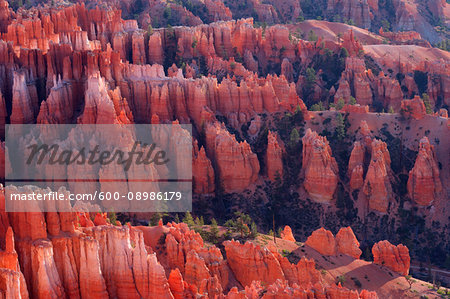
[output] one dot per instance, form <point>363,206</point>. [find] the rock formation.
<point>250,262</point>
<point>155,50</point>
<point>355,75</point>
<point>62,257</point>
<point>355,165</point>
<point>286,234</point>
<point>400,36</point>
<point>99,107</point>
<point>320,168</point>
<point>23,104</point>
<point>377,186</point>
<point>2,160</point>
<point>3,115</point>
<point>424,183</point>
<point>355,109</point>
<point>323,241</point>
<point>232,80</point>
<point>369,169</point>
<point>13,280</point>
<point>236,164</point>
<point>359,12</point>
<point>414,108</point>
<point>202,172</point>
<point>394,257</point>
<point>346,243</point>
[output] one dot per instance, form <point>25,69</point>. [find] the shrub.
<point>241,225</point>
<point>410,280</point>
<point>386,25</point>
<point>341,279</point>
<point>177,218</point>
<point>194,43</point>
<point>154,219</point>
<point>285,253</point>
<point>341,103</point>
<point>112,217</point>
<point>317,107</point>
<point>253,229</point>
<point>312,37</point>
<point>150,29</point>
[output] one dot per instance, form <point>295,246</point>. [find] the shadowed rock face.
<point>274,157</point>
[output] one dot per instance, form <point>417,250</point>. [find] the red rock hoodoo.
<point>286,234</point>
<point>323,241</point>
<point>394,257</point>
<point>424,183</point>
<point>319,166</point>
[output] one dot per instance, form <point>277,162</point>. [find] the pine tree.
<point>317,107</point>
<point>312,37</point>
<point>254,229</point>
<point>154,219</point>
<point>340,127</point>
<point>189,220</point>
<point>177,219</point>
<point>112,217</point>
<point>352,101</point>
<point>242,222</point>
<point>426,102</point>
<point>214,231</point>
<point>279,232</point>
<point>391,110</point>
<point>340,104</point>
<point>310,76</point>
<point>294,137</point>
<point>344,52</point>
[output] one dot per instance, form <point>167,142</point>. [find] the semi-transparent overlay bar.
<point>119,168</point>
